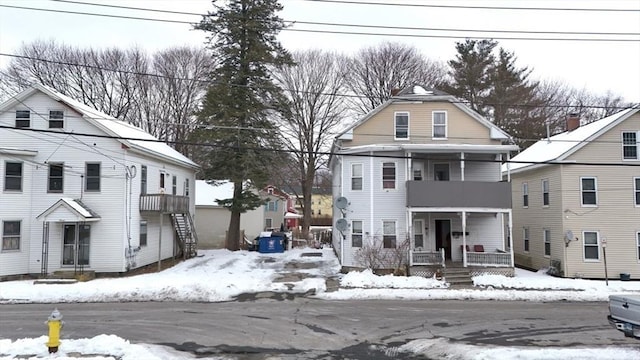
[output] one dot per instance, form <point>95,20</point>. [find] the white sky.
<point>596,66</point>
<point>246,272</point>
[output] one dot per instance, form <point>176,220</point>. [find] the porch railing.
<point>165,203</point>
<point>488,259</point>
<point>420,257</point>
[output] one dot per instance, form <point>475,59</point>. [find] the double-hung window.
<point>547,242</point>
<point>23,118</point>
<point>356,233</point>
<point>143,180</point>
<point>439,124</point>
<point>10,235</point>
<point>630,145</point>
<point>638,243</point>
<point>401,125</point>
<point>545,192</point>
<point>56,119</point>
<point>636,190</point>
<point>389,175</point>
<point>389,234</point>
<point>92,177</point>
<point>591,245</point>
<point>356,177</point>
<point>186,187</point>
<point>56,177</point>
<point>143,232</point>
<point>525,194</point>
<point>589,191</point>
<point>12,176</point>
<point>418,169</point>
<point>174,185</point>
<point>525,238</point>
<point>272,205</point>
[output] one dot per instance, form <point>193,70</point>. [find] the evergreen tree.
<point>237,110</point>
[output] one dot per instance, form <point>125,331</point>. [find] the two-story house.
<point>577,199</point>
<point>422,172</point>
<point>279,209</point>
<point>83,191</point>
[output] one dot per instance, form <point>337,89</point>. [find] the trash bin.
<point>273,243</point>
<point>625,276</point>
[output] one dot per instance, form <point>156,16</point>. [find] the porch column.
<point>160,244</point>
<point>464,238</point>
<point>408,172</point>
<point>508,171</point>
<point>511,236</point>
<point>462,166</point>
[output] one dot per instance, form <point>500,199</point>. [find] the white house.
<point>84,192</point>
<point>212,220</point>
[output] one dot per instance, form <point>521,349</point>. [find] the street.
<point>309,328</point>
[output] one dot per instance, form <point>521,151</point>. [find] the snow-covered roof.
<point>76,206</point>
<point>559,146</point>
<point>432,148</point>
<point>117,128</point>
<point>206,194</point>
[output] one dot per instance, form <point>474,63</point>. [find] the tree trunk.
<point>233,235</point>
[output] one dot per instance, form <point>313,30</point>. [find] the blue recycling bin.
<point>271,244</point>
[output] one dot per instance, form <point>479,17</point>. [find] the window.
<point>13,176</point>
<point>589,191</point>
<point>162,176</point>
<point>591,245</point>
<point>389,175</point>
<point>439,125</point>
<point>638,243</point>
<point>545,192</point>
<point>268,223</point>
<point>23,118</point>
<point>92,177</point>
<point>417,171</point>
<point>174,185</point>
<point>186,187</point>
<point>143,232</point>
<point>402,125</point>
<point>270,190</point>
<point>56,177</point>
<point>10,235</point>
<point>525,238</point>
<point>418,235</point>
<point>56,119</point>
<point>630,145</point>
<point>272,206</point>
<point>356,233</point>
<point>356,176</point>
<point>636,189</point>
<point>547,242</point>
<point>525,195</point>
<point>441,172</point>
<point>389,234</point>
<point>143,180</point>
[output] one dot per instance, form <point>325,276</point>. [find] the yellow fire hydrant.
<point>55,324</point>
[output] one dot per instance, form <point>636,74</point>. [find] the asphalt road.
<point>316,329</point>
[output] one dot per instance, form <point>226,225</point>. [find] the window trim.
<point>597,245</point>
<point>546,239</point>
<point>27,120</point>
<point>526,239</point>
<point>19,236</point>
<point>638,244</point>
<point>636,190</point>
<point>637,135</point>
<point>61,121</point>
<point>144,222</point>
<point>395,175</point>
<point>87,177</point>
<point>143,179</point>
<point>395,235</point>
<point>525,195</point>
<point>268,221</point>
<point>354,233</point>
<point>546,197</point>
<point>433,125</point>
<point>395,125</point>
<point>361,177</point>
<point>582,191</point>
<point>417,166</point>
<point>49,177</point>
<point>6,176</point>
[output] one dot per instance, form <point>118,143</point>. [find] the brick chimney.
<point>573,122</point>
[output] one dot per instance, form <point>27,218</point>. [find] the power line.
<point>590,39</point>
<point>472,6</point>
<point>206,81</point>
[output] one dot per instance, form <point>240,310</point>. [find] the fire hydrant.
<point>55,324</point>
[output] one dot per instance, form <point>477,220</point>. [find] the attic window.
<point>401,125</point>
<point>56,119</point>
<point>630,145</point>
<point>23,118</point>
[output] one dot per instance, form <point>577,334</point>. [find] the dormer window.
<point>401,125</point>
<point>23,118</point>
<point>56,119</point>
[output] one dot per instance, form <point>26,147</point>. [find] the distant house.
<point>212,220</point>
<point>421,173</point>
<point>82,191</point>
<point>569,213</point>
<point>321,210</point>
<point>280,209</point>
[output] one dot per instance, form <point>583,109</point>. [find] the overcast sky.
<point>598,66</point>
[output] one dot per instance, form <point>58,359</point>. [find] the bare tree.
<point>315,89</point>
<point>374,72</point>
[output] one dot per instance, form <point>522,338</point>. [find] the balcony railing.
<point>459,194</point>
<point>164,203</point>
<point>489,259</point>
<point>419,257</point>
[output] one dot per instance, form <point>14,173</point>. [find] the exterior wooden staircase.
<point>186,234</point>
<point>458,276</point>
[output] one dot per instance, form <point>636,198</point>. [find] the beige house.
<point>421,172</point>
<point>580,214</point>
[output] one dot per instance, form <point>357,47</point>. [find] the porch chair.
<point>478,248</point>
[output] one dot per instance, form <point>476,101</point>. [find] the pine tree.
<point>236,111</point>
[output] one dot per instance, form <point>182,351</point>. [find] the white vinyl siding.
<point>401,125</point>
<point>591,244</point>
<point>589,191</point>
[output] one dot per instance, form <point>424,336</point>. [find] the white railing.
<point>420,257</point>
<point>489,259</point>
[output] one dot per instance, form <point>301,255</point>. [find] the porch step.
<point>70,274</point>
<point>458,276</point>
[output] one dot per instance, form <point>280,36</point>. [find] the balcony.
<point>459,194</point>
<point>164,203</point>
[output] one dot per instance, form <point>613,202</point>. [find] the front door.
<point>76,244</point>
<point>443,237</point>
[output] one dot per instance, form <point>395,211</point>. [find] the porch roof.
<point>68,210</point>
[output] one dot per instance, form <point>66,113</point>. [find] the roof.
<point>560,146</point>
<point>110,126</point>
<point>77,208</point>
<point>208,194</point>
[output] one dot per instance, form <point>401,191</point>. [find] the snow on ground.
<point>248,272</point>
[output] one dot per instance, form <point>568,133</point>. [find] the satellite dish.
<point>568,235</point>
<point>342,202</point>
<point>341,224</point>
